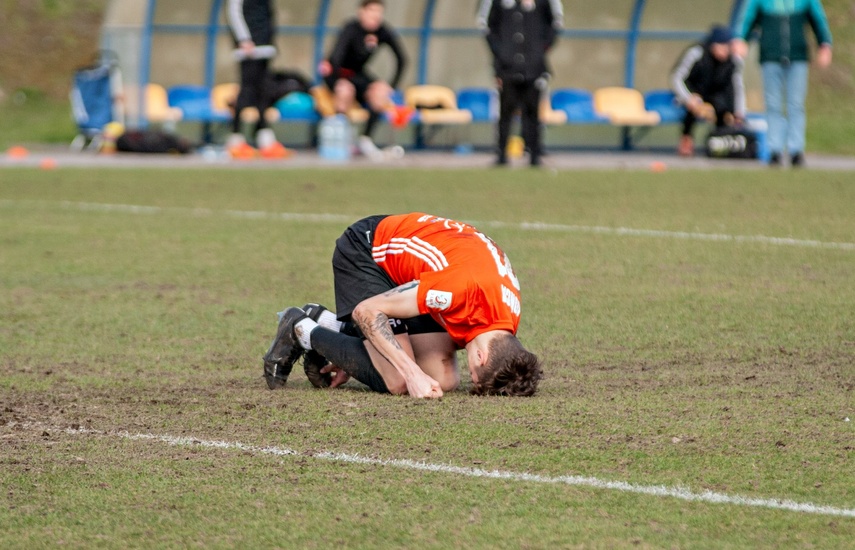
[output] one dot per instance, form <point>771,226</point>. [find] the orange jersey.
<point>465,280</point>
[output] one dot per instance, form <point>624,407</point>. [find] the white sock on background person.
<point>265,138</point>
<point>235,140</point>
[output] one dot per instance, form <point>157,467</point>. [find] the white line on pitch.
<point>581,481</point>
<point>525,226</point>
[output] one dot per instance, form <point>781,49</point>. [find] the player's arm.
<point>372,317</point>
<point>344,43</point>
<point>391,38</point>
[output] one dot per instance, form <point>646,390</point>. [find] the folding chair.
<point>94,96</point>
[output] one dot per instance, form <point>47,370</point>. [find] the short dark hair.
<point>510,369</point>
<point>365,3</point>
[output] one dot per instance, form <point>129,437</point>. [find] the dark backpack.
<point>281,83</point>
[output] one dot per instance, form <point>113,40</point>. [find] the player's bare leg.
<point>436,354</point>
<point>395,383</point>
<point>344,95</point>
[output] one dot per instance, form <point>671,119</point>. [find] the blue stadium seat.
<point>297,107</point>
<point>578,104</point>
<point>664,102</point>
<point>195,103</point>
<point>483,103</point>
<point>398,97</point>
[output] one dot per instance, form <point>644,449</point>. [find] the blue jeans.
<point>785,85</point>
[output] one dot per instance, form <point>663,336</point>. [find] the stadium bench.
<point>436,107</point>
<point>157,108</point>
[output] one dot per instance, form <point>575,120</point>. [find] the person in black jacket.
<point>252,24</point>
<point>345,74</point>
<point>520,33</point>
<point>709,75</point>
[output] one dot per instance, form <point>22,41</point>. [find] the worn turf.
<point>139,303</point>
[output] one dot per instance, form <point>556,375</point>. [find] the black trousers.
<point>525,97</point>
<point>723,103</point>
<point>253,79</point>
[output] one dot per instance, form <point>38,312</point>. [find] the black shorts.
<point>356,276</point>
<point>360,81</point>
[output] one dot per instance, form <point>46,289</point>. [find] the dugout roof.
<point>609,42</point>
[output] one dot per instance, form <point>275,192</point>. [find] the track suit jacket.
<point>782,26</point>
<point>252,20</point>
<point>352,51</point>
<point>699,72</point>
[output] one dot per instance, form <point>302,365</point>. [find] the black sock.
<point>350,328</point>
<point>349,354</point>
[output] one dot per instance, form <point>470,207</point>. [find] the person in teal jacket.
<point>784,60</point>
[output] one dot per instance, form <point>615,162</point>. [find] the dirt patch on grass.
<point>780,401</point>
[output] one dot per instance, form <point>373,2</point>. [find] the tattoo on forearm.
<point>378,328</point>
<point>381,327</point>
<point>401,289</point>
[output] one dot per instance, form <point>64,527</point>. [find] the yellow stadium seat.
<point>157,107</point>
<point>436,105</point>
<point>624,107</point>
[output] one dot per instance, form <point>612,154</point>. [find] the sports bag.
<point>152,141</point>
<point>732,142</point>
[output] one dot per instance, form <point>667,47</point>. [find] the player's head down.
<point>510,369</point>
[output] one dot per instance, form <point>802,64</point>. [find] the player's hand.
<point>324,68</point>
<point>247,47</point>
<point>823,56</point>
<point>424,387</point>
<point>694,104</point>
<point>339,376</point>
<point>739,47</point>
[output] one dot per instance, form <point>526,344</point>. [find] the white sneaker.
<point>393,152</point>
<point>368,149</point>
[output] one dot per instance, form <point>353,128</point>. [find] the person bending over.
<point>410,290</point>
<point>709,75</point>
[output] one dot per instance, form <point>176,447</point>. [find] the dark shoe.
<point>536,162</point>
<point>313,361</point>
<point>775,159</point>
<point>797,160</point>
<point>501,160</point>
<point>284,351</point>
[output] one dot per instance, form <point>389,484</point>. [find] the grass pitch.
<point>139,302</point>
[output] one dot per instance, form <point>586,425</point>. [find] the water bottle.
<point>336,138</point>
